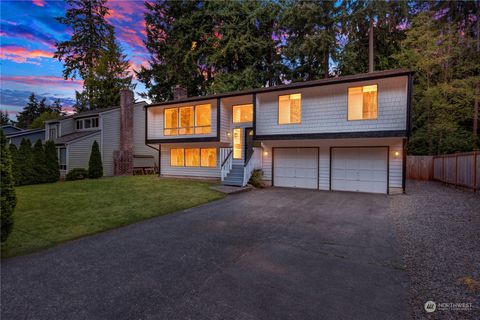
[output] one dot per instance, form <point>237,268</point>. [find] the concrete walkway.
<point>265,254</point>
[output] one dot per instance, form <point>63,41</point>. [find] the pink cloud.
<point>42,81</point>
<point>23,55</point>
<point>130,36</point>
<point>39,3</point>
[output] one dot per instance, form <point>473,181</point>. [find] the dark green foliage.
<point>4,118</point>
<point>76,174</point>
<point>36,112</point>
<point>24,164</point>
<point>14,156</point>
<point>52,171</point>
<point>39,165</point>
<point>7,192</point>
<point>95,168</point>
<point>256,179</point>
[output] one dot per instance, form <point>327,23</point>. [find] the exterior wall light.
<point>229,134</point>
<point>265,153</point>
<point>396,153</point>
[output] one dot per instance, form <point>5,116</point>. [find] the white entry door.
<point>296,167</point>
<point>360,169</point>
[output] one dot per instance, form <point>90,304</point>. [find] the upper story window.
<point>52,132</point>
<point>290,108</point>
<point>187,120</point>
<point>87,123</point>
<point>362,103</point>
<point>243,113</point>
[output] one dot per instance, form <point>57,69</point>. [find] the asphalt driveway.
<point>267,254</point>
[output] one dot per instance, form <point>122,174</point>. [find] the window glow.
<point>242,113</point>
<point>237,143</point>
<point>177,158</point>
<point>187,120</point>
<point>203,119</point>
<point>209,157</point>
<point>192,157</point>
<point>362,103</point>
<point>290,108</point>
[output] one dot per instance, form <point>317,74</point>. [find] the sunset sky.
<point>28,34</point>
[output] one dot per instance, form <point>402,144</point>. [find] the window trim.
<point>242,105</point>
<point>278,109</point>
<point>93,120</point>
<point>200,158</point>
<point>62,166</point>
<point>194,127</point>
<point>376,101</point>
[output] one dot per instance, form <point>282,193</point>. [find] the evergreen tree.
<point>39,166</point>
<point>25,163</point>
<point>95,168</point>
<point>29,113</point>
<point>4,118</point>
<point>311,31</point>
<point>15,171</point>
<point>110,74</point>
<point>51,162</point>
<point>89,27</point>
<point>39,122</point>
<point>7,192</point>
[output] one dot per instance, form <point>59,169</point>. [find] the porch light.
<point>229,134</point>
<point>265,153</point>
<point>396,153</point>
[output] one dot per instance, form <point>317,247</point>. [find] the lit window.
<point>237,143</point>
<point>209,157</point>
<point>192,157</point>
<point>362,103</point>
<point>290,108</point>
<point>171,122</point>
<point>243,113</point>
<point>186,120</point>
<point>202,119</point>
<point>177,158</point>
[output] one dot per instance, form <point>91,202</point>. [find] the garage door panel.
<point>296,167</point>
<point>359,169</point>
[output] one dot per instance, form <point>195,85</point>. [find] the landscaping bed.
<point>49,214</point>
<point>439,228</point>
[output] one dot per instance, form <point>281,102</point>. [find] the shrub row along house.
<point>346,133</point>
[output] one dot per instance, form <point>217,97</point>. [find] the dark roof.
<point>93,112</point>
<point>24,133</point>
<point>296,85</point>
<point>10,128</point>
<point>74,136</point>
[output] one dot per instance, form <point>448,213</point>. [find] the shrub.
<point>76,174</point>
<point>95,168</point>
<point>14,156</point>
<point>52,173</point>
<point>256,179</point>
<point>7,192</point>
<point>25,163</point>
<point>39,166</point>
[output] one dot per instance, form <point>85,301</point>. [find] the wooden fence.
<point>420,167</point>
<point>460,169</point>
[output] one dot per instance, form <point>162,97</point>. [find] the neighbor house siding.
<point>79,151</point>
<point>203,172</point>
<point>324,109</point>
<point>66,126</point>
<point>139,146</point>
<point>155,121</point>
<point>395,162</point>
<point>110,122</point>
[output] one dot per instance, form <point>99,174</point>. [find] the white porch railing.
<point>226,162</point>
<point>255,162</point>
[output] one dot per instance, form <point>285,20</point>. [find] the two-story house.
<point>119,132</point>
<point>345,133</point>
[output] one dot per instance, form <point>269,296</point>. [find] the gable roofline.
<point>12,126</point>
<point>24,132</point>
<point>294,85</point>
<point>74,136</point>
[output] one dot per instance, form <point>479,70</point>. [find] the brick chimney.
<point>179,92</point>
<point>123,158</point>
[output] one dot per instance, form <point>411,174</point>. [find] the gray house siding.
<point>79,151</point>
<point>139,146</point>
<point>33,137</point>
<point>110,126</point>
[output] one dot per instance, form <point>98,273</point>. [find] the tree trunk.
<point>371,65</point>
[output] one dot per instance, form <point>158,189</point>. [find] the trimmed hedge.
<point>76,174</point>
<point>95,168</point>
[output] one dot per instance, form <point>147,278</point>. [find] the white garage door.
<point>296,167</point>
<point>360,169</point>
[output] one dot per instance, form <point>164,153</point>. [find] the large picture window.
<point>242,113</point>
<point>362,103</point>
<point>193,157</point>
<point>187,120</point>
<point>290,108</point>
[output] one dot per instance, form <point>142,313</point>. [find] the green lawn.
<point>49,214</point>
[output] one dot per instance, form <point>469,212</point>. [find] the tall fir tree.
<point>86,19</point>
<point>110,74</point>
<point>25,163</point>
<point>95,167</point>
<point>8,198</point>
<point>39,166</point>
<point>29,112</point>
<point>15,170</point>
<point>51,162</point>
<point>4,118</point>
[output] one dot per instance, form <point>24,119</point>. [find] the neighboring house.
<point>33,135</point>
<point>10,129</point>
<point>345,133</point>
<point>119,131</point>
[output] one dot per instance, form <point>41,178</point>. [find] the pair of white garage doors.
<point>351,169</point>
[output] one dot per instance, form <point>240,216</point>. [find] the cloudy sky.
<point>28,33</point>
